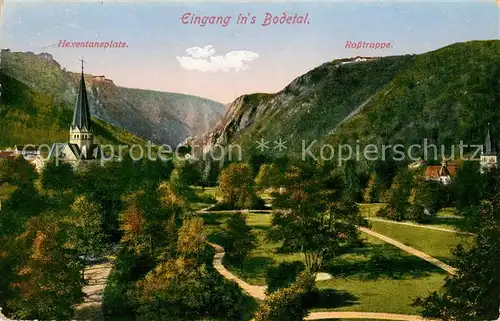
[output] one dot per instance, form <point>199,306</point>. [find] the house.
<point>7,154</point>
<point>27,151</point>
<point>441,173</point>
<point>81,149</point>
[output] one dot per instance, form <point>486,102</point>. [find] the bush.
<point>283,275</point>
<point>289,304</point>
<point>183,290</point>
<point>420,214</point>
<point>206,198</point>
<point>256,204</point>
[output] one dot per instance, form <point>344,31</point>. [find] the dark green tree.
<point>239,240</point>
<point>58,176</point>
<point>313,216</point>
<point>473,293</point>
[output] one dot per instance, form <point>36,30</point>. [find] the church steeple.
<point>488,155</point>
<point>81,115</point>
<point>81,128</point>
<point>487,150</point>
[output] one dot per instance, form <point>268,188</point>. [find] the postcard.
<point>249,160</point>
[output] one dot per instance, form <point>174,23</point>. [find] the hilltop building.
<point>81,149</point>
<point>488,155</point>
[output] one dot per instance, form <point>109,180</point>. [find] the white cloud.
<point>203,59</point>
<point>197,52</point>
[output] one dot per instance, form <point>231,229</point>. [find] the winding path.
<point>259,293</point>
<point>91,308</point>
<point>419,225</point>
<point>410,250</point>
<point>384,238</point>
<point>255,291</point>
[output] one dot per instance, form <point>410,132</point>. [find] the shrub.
<point>283,275</point>
<point>420,214</point>
<point>289,304</point>
<point>181,289</point>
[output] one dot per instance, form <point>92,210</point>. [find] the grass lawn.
<point>446,218</point>
<point>370,209</point>
<point>376,277</point>
<point>214,191</point>
<point>438,244</point>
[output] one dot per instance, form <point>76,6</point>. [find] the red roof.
<point>434,171</point>
<point>7,155</point>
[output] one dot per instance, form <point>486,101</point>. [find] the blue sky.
<point>242,58</point>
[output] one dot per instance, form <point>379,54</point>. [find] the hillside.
<point>158,116</point>
<point>31,117</point>
<point>445,96</point>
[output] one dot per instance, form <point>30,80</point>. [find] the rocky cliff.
<point>445,95</point>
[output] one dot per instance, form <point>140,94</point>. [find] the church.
<point>81,149</point>
<point>488,159</point>
<point>445,172</point>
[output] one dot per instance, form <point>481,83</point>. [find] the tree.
<point>181,289</point>
<point>473,293</point>
<point>425,200</point>
<point>288,304</point>
<point>269,176</point>
<point>283,275</point>
<point>468,186</point>
<point>57,176</point>
<point>239,240</point>
<point>192,239</point>
<point>179,181</point>
<point>398,203</point>
<point>133,225</point>
<point>48,284</point>
<point>87,235</point>
<point>368,192</point>
<point>210,172</point>
<point>17,194</point>
<point>313,216</point>
<point>256,160</point>
<point>352,185</point>
<point>237,187</point>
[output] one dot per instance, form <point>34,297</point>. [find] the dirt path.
<point>207,211</point>
<point>363,315</point>
<point>259,293</point>
<point>410,250</point>
<point>91,308</point>
<point>419,225</point>
<point>255,291</point>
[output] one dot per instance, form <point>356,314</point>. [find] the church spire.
<point>81,115</point>
<point>487,143</point>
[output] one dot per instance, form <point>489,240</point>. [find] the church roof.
<point>81,115</point>
<point>93,152</point>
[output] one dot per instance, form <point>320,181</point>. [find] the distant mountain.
<point>161,117</point>
<point>445,96</point>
